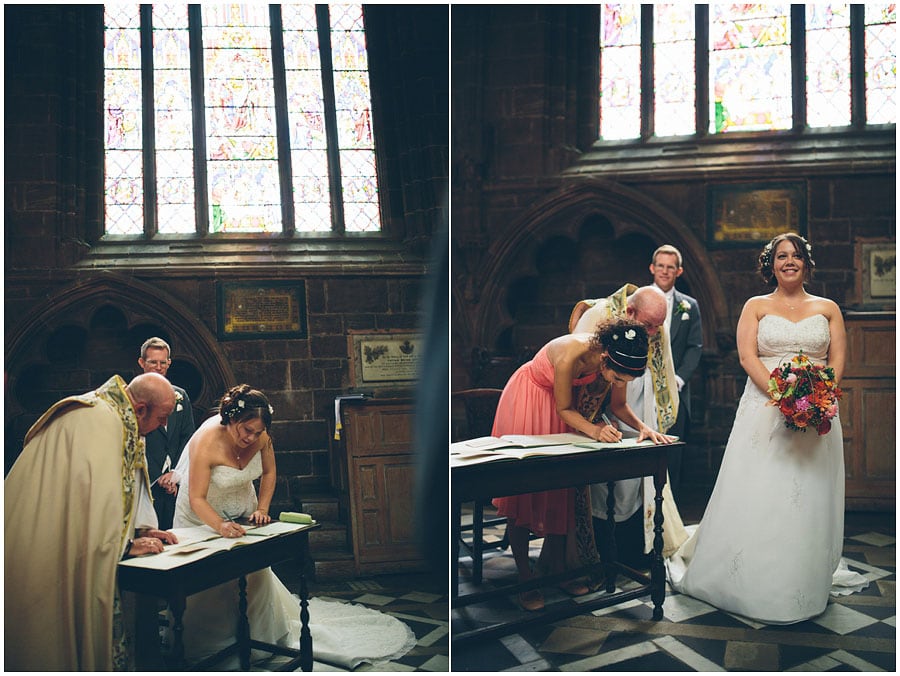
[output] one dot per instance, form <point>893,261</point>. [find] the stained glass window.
<point>174,124</point>
<point>828,65</point>
<point>354,118</point>
<point>620,71</point>
<point>749,59</point>
<point>749,64</point>
<point>242,167</point>
<point>306,113</point>
<point>123,125</point>
<point>881,63</point>
<point>673,69</point>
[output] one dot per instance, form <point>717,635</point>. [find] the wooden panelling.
<point>381,469</point>
<point>868,412</point>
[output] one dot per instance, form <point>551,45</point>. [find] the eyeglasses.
<point>157,362</point>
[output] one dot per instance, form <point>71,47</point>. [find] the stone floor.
<point>856,632</point>
<point>418,599</point>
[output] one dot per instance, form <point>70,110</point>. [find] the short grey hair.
<point>157,343</point>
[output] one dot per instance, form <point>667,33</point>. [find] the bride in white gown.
<point>225,455</point>
<point>769,544</point>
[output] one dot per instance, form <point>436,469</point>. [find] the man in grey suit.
<point>164,444</point>
<point>686,338</point>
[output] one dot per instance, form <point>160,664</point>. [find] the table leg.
<point>243,632</point>
<point>612,565</point>
<point>306,645</point>
<point>176,606</point>
<point>147,655</point>
<point>455,532</point>
<point>657,569</point>
<point>477,540</point>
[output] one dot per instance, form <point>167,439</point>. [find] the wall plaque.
<point>876,272</point>
<point>262,310</point>
<point>751,214</point>
<point>384,358</point>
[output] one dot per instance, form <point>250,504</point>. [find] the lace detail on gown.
<point>769,544</point>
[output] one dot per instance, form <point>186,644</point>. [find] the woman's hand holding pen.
<point>609,432</point>
<point>230,529</point>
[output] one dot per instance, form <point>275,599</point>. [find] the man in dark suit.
<point>686,338</point>
<point>164,444</point>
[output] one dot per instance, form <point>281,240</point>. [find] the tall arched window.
<point>227,118</point>
<point>708,70</point>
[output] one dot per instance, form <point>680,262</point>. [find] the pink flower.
<point>831,411</point>
<point>791,378</point>
<point>802,404</point>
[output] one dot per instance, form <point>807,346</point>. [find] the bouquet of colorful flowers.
<point>805,393</point>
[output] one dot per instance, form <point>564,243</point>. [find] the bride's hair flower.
<point>630,334</point>
<point>805,393</point>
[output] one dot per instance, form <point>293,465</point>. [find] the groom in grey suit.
<point>164,444</point>
<point>686,338</point>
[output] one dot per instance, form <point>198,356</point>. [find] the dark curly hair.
<point>625,342</point>
<point>767,257</point>
<point>242,403</point>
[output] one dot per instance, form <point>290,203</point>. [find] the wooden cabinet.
<point>381,469</point>
<point>868,411</point>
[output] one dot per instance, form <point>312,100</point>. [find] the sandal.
<point>531,600</point>
<point>574,587</point>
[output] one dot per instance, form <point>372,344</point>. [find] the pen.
<point>606,420</point>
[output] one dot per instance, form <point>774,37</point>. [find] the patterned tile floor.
<point>419,600</point>
<point>855,633</point>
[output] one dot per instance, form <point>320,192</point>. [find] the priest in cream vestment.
<point>74,501</point>
<point>654,398</point>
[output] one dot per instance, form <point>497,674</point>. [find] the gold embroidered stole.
<point>113,393</point>
<point>659,362</point>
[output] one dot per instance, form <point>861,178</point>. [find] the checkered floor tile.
<point>855,633</point>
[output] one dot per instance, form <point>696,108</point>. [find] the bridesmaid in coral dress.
<point>538,399</point>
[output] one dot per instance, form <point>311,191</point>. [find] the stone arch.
<point>51,345</point>
<point>563,213</point>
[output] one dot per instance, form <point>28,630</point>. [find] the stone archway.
<point>92,329</point>
<point>562,214</point>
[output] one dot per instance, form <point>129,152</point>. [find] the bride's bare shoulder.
<point>757,305</point>
<point>825,305</point>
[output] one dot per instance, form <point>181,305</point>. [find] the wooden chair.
<point>479,406</point>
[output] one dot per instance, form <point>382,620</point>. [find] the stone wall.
<point>63,280</point>
<point>544,216</point>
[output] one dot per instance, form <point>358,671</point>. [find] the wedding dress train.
<point>344,634</point>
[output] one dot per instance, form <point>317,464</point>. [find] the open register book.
<point>517,441</point>
<point>198,542</point>
<point>486,449</point>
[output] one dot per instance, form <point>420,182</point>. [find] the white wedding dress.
<point>344,634</point>
<point>769,544</point>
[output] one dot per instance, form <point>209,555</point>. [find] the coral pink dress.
<point>527,406</point>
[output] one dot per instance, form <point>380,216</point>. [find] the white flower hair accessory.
<point>630,334</point>
<point>241,403</point>
<point>271,410</point>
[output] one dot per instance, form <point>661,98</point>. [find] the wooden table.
<point>540,473</point>
<point>176,584</point>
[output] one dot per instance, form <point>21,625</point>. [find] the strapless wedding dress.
<point>769,544</point>
<point>344,634</point>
